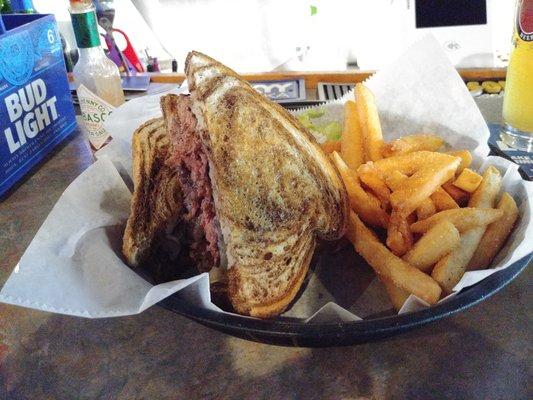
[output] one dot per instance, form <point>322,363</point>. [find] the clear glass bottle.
<point>96,77</point>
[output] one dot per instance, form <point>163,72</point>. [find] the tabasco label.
<point>524,20</point>
<point>94,111</point>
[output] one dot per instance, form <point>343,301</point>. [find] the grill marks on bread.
<point>156,199</point>
<point>274,189</point>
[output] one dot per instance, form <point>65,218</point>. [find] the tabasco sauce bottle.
<point>96,77</point>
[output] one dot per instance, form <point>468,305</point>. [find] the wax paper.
<point>74,264</point>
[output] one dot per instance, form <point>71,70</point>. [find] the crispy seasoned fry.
<point>411,219</point>
<point>466,159</point>
<point>388,265</point>
<point>443,201</point>
<point>495,235</point>
<point>422,184</point>
<point>411,143</point>
<point>434,245</point>
<point>352,137</point>
<point>370,124</point>
<point>399,236</point>
<point>449,271</point>
<point>330,146</point>
<point>463,219</point>
<point>426,209</point>
<point>395,179</point>
<point>363,203</point>
<point>429,171</point>
<point>397,296</point>
<point>485,195</point>
<point>373,178</point>
<point>409,163</point>
<point>459,195</point>
<point>468,180</point>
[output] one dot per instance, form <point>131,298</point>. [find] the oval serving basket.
<point>294,333</point>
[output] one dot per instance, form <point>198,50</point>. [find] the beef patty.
<point>198,212</point>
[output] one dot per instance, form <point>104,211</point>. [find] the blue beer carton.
<point>36,111</point>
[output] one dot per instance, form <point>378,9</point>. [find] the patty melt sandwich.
<point>236,185</point>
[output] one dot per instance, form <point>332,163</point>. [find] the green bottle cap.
<point>85,29</point>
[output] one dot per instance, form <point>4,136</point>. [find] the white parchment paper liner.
<point>73,265</point>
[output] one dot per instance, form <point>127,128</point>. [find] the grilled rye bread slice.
<point>156,200</point>
<point>274,189</point>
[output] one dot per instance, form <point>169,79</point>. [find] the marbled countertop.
<point>481,353</point>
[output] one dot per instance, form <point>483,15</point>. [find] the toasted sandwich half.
<point>257,191</point>
<point>151,235</point>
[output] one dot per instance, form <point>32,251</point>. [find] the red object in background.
<point>129,52</point>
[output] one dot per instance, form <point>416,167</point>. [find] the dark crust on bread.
<point>156,199</point>
<point>274,188</point>
<point>277,305</point>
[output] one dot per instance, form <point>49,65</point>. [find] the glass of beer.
<point>517,130</point>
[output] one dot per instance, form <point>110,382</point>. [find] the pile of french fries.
<point>436,217</point>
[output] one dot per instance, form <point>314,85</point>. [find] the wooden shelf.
<point>312,78</point>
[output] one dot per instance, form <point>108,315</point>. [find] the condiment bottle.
<point>96,77</point>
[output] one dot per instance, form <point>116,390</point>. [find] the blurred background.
<point>303,35</point>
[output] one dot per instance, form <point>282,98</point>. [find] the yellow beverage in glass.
<point>518,99</point>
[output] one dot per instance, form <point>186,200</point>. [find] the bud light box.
<point>36,111</point>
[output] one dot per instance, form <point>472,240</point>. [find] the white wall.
<point>258,35</point>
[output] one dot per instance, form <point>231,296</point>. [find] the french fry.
<point>411,219</point>
<point>352,137</point>
<point>399,236</point>
<point>486,193</point>
<point>330,146</point>
<point>422,184</point>
<point>466,159</point>
<point>388,265</point>
<point>468,180</point>
<point>409,163</point>
<point>373,178</point>
<point>462,218</point>
<point>370,124</point>
<point>395,179</point>
<point>426,209</point>
<point>438,241</point>
<point>495,235</point>
<point>459,195</point>
<point>449,270</point>
<point>363,203</point>
<point>411,143</point>
<point>397,296</point>
<point>443,201</point>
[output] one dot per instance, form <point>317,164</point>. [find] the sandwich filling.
<point>190,159</point>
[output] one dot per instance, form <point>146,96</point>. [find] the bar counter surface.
<point>481,353</point>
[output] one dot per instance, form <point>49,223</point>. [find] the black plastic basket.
<point>295,333</point>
